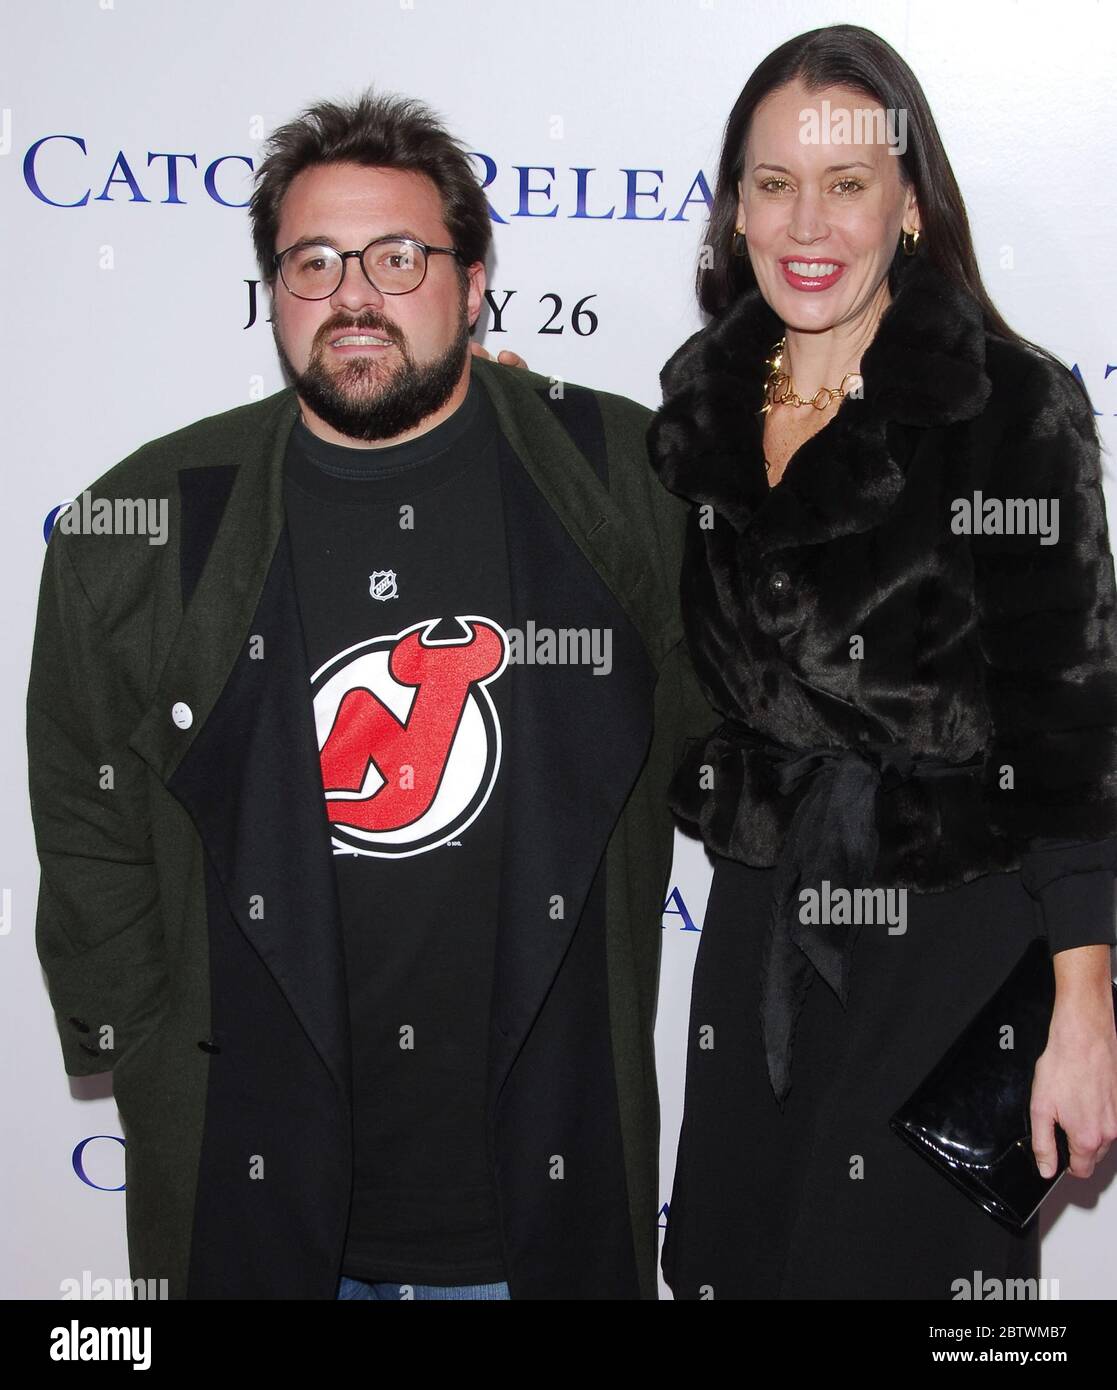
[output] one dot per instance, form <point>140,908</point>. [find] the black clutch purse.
<point>970,1116</point>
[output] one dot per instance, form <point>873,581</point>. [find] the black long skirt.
<point>822,1200</point>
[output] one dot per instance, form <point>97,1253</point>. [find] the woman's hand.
<point>1075,1081</point>
<point>504,357</point>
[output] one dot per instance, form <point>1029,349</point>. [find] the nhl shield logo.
<point>382,584</point>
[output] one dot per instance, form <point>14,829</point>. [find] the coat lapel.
<point>576,743</point>
<point>247,768</point>
<point>924,368</point>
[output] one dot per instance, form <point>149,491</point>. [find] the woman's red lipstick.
<point>812,283</point>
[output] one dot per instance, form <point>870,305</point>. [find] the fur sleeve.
<point>1047,626</point>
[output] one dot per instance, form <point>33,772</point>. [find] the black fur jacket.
<point>909,590</point>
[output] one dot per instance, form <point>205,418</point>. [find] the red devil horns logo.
<point>410,754</point>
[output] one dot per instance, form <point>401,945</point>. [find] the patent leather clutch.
<point>970,1116</point>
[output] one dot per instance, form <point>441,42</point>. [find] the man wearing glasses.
<point>350,800</point>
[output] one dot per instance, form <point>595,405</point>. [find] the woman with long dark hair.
<point>899,597</point>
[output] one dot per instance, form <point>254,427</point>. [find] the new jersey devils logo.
<point>408,736</point>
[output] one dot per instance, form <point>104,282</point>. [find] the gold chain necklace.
<point>778,387</point>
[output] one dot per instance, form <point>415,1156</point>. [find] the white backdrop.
<point>126,306</point>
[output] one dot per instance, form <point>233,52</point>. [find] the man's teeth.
<point>360,340</point>
<point>812,270</point>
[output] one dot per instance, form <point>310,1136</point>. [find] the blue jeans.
<point>357,1288</point>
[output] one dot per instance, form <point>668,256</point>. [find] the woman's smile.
<point>810,275</point>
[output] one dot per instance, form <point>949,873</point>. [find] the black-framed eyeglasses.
<point>391,264</point>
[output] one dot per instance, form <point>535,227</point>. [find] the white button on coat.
<point>182,714</point>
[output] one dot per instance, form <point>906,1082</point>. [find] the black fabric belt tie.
<point>832,837</point>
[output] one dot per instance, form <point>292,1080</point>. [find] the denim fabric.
<point>357,1288</point>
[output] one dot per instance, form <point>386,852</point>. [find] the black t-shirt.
<point>401,573</point>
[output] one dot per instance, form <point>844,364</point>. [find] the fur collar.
<point>925,367</point>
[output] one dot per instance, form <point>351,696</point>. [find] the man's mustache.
<point>362,325</point>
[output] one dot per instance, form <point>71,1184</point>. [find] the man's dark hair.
<point>385,132</point>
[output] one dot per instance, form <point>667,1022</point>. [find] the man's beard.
<point>355,402</point>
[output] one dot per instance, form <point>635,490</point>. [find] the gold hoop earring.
<point>909,246</point>
<point>740,245</point>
